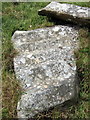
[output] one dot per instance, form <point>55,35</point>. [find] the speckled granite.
<point>46,68</point>
<point>67,12</point>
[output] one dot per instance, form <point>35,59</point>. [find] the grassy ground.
<point>24,16</point>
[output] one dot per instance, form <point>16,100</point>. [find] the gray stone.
<point>68,12</point>
<point>46,67</point>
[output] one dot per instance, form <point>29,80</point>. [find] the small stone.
<point>67,12</point>
<point>30,26</point>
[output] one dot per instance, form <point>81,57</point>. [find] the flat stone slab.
<point>46,67</point>
<point>67,12</point>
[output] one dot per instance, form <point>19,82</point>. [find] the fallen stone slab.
<point>46,67</point>
<point>67,12</point>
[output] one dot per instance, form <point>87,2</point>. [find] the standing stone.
<point>67,12</point>
<point>46,68</point>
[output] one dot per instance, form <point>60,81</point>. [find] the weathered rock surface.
<point>68,12</point>
<point>46,67</point>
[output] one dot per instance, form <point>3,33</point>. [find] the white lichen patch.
<point>56,29</point>
<point>22,60</point>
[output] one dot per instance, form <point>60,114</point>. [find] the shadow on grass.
<point>57,21</point>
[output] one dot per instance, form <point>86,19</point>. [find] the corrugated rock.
<point>46,68</point>
<point>67,12</point>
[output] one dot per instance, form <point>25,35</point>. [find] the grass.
<point>24,16</point>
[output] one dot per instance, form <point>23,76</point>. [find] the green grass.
<point>24,16</point>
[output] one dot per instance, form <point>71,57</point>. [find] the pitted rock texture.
<point>68,12</point>
<point>46,68</point>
